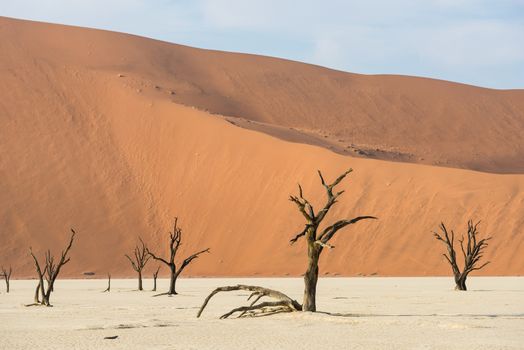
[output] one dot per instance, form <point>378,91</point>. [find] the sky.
<point>479,42</point>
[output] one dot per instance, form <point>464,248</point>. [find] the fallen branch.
<point>283,303</point>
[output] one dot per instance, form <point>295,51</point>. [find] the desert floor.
<point>373,313</point>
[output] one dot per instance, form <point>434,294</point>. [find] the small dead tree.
<point>7,276</point>
<point>50,272</point>
<point>108,289</point>
<point>155,276</point>
<point>175,239</point>
<point>141,257</point>
<point>316,242</point>
<point>472,253</point>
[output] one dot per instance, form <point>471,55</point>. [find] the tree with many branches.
<point>175,240</point>
<point>49,272</point>
<point>139,260</point>
<point>7,276</point>
<point>316,240</point>
<point>472,252</point>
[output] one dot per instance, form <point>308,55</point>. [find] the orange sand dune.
<point>93,138</point>
<point>383,116</point>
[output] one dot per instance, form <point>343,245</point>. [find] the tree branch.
<point>301,234</point>
<point>330,231</point>
<point>156,257</point>
<point>190,258</point>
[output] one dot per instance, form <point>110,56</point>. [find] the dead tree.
<point>50,272</point>
<point>7,277</point>
<point>155,275</point>
<point>283,303</point>
<point>108,289</point>
<point>316,241</point>
<point>174,244</point>
<point>141,257</point>
<point>472,252</point>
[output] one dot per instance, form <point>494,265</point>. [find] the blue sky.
<point>479,42</point>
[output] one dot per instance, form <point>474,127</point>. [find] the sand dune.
<point>383,116</point>
<point>99,133</point>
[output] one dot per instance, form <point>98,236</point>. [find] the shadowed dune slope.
<point>93,138</point>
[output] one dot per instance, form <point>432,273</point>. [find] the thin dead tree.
<point>50,272</point>
<point>316,241</point>
<point>108,289</point>
<point>139,261</point>
<point>7,276</point>
<point>472,252</point>
<point>175,239</point>
<point>155,276</point>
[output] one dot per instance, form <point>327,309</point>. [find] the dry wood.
<point>283,303</point>
<point>155,276</point>
<point>175,240</point>
<point>317,242</point>
<point>108,289</point>
<point>7,276</point>
<point>472,253</point>
<point>49,273</point>
<point>315,245</point>
<point>139,261</point>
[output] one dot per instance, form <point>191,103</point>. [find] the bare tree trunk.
<point>310,280</point>
<point>45,299</point>
<point>108,289</point>
<point>460,282</point>
<point>7,276</point>
<point>140,280</point>
<point>37,292</point>
<point>172,281</point>
<point>155,275</point>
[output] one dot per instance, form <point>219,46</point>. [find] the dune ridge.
<point>109,133</point>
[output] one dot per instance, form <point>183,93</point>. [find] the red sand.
<point>95,136</point>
